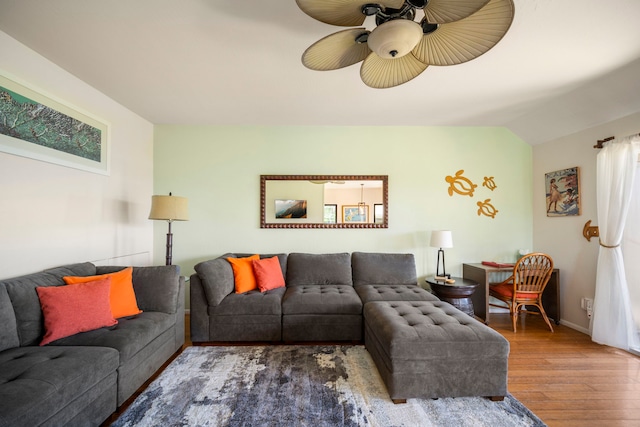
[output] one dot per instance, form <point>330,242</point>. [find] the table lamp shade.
<point>169,208</point>
<point>441,239</point>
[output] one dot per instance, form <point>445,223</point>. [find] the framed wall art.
<point>351,213</point>
<point>37,126</point>
<point>563,192</point>
<point>291,209</point>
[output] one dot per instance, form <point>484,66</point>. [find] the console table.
<point>481,274</point>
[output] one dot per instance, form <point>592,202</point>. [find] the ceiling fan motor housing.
<point>395,38</point>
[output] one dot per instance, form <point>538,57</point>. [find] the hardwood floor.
<point>563,377</point>
<point>566,379</point>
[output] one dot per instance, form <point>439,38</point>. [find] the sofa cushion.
<point>9,330</point>
<point>319,269</point>
<point>243,278</point>
<point>26,304</point>
<point>383,269</point>
<point>250,303</point>
<point>368,293</point>
<point>122,296</point>
<point>129,336</point>
<point>77,308</point>
<point>217,279</point>
<point>321,299</point>
<point>268,274</point>
<point>37,382</point>
<point>157,288</point>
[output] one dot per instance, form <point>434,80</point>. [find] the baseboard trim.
<point>576,327</point>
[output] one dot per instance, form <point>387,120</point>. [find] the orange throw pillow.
<point>69,310</point>
<point>268,274</point>
<point>122,297</point>
<point>243,276</point>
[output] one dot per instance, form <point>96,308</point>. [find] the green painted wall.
<point>218,168</point>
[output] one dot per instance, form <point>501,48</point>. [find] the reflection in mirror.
<point>324,201</point>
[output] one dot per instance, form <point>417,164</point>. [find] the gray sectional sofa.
<point>422,347</point>
<point>81,380</point>
<point>322,301</point>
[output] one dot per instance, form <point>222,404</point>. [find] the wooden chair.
<point>525,286</point>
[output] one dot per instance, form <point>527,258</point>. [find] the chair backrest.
<point>532,272</point>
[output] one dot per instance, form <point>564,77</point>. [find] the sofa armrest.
<point>199,314</point>
<point>157,288</point>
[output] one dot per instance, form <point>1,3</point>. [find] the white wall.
<point>52,215</point>
<point>562,237</point>
<point>219,168</point>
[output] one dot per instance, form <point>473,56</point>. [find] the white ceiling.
<point>565,65</point>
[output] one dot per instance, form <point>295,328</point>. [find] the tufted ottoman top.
<point>427,330</point>
<point>394,293</point>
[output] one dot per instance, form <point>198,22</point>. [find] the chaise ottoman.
<point>430,349</point>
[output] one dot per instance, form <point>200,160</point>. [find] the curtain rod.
<point>602,141</point>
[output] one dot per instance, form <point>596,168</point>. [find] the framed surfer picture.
<point>563,192</point>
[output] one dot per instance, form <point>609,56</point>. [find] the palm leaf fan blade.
<point>344,13</point>
<point>337,50</point>
<point>444,11</point>
<point>467,39</point>
<point>381,73</point>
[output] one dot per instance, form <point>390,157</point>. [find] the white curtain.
<point>612,321</point>
<point>631,249</point>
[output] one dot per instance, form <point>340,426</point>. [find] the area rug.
<point>287,386</point>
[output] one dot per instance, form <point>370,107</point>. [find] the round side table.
<point>457,294</point>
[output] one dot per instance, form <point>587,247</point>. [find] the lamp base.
<point>444,274</point>
<point>168,258</point>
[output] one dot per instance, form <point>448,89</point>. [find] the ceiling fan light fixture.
<point>395,38</point>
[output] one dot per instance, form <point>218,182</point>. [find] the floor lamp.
<point>441,239</point>
<point>169,208</point>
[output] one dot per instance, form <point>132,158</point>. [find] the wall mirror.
<point>324,201</point>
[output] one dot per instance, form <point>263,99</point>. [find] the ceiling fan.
<point>399,48</point>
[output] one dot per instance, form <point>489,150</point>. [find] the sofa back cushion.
<point>25,301</point>
<point>154,286</point>
<point>383,269</point>
<point>319,269</point>
<point>216,276</point>
<point>8,330</point>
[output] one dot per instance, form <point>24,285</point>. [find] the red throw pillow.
<point>68,310</point>
<point>268,273</point>
<point>243,276</point>
<point>122,297</point>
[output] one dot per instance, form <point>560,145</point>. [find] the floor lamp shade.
<point>441,239</point>
<point>169,208</point>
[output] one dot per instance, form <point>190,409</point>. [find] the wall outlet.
<point>587,304</point>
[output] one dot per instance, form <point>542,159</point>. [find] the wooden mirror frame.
<point>385,200</point>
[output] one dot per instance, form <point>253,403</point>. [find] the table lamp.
<point>441,239</point>
<point>169,208</point>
